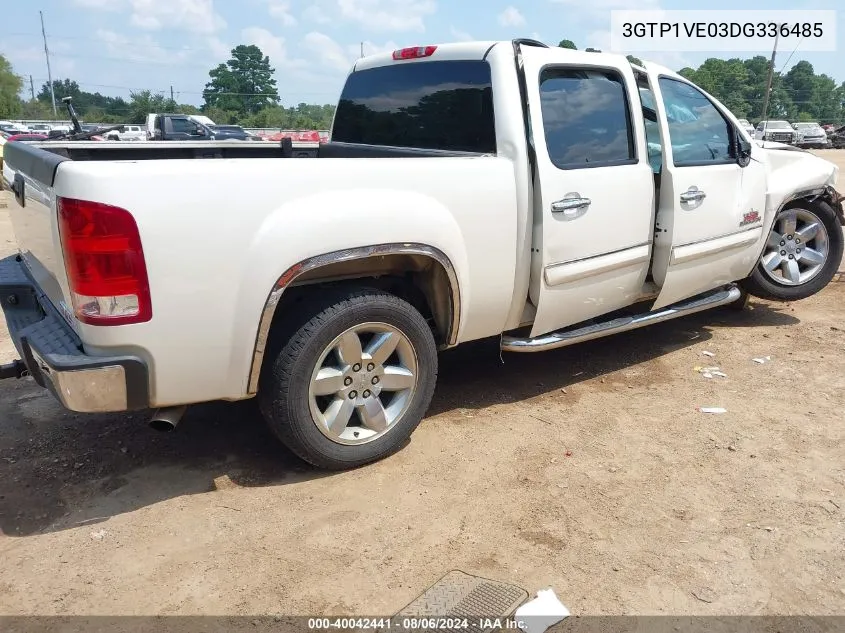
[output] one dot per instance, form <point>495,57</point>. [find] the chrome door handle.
<point>571,208</point>
<point>693,195</point>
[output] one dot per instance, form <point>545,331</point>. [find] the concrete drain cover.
<point>484,603</point>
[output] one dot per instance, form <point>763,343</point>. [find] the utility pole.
<point>31,88</point>
<point>47,55</point>
<point>769,86</point>
<point>362,49</point>
<point>171,93</point>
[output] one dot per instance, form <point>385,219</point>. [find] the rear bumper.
<point>817,143</point>
<point>53,354</point>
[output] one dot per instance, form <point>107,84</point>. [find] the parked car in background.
<point>230,132</point>
<point>13,128</point>
<point>28,136</point>
<point>777,131</point>
<point>129,133</point>
<point>185,127</point>
<point>747,126</point>
<point>40,128</point>
<point>811,135</point>
<point>837,138</point>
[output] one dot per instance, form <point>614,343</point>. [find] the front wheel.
<point>802,253</point>
<point>350,384</point>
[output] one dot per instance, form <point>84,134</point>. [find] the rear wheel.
<point>802,253</point>
<point>350,384</point>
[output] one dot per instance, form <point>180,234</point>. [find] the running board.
<point>554,340</point>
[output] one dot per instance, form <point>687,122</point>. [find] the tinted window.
<point>184,126</point>
<point>697,130</point>
<point>427,105</point>
<point>585,118</point>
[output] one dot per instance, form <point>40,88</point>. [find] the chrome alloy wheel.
<point>363,383</point>
<point>797,248</point>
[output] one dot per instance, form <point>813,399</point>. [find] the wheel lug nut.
<point>782,243</point>
<point>366,394</point>
<point>356,367</point>
<point>347,381</point>
<point>791,257</point>
<point>797,241</point>
<point>789,237</point>
<point>353,395</point>
<point>371,367</point>
<point>783,252</point>
<point>375,380</point>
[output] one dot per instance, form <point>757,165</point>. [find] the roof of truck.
<point>475,50</point>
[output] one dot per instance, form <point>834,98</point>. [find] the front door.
<point>594,189</point>
<point>709,227</point>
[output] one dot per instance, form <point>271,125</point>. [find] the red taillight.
<point>105,264</point>
<point>415,52</point>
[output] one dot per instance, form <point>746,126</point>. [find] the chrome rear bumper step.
<point>554,340</point>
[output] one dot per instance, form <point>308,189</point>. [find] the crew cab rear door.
<point>594,188</point>
<point>709,226</point>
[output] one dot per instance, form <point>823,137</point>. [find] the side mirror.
<point>743,151</point>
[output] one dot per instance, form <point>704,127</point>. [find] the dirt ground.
<point>587,469</point>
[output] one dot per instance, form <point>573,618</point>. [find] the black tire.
<point>761,285</point>
<point>283,394</point>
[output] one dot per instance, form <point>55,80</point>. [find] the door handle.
<point>693,195</point>
<point>571,208</point>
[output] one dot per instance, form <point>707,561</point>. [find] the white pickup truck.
<point>541,195</point>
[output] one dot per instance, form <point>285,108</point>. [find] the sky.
<point>117,46</point>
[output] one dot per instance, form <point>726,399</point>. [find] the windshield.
<point>775,125</point>
<point>807,126</point>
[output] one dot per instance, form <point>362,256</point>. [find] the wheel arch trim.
<point>348,254</point>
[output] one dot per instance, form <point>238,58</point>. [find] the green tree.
<point>634,60</point>
<point>38,110</point>
<point>10,87</point>
<point>568,44</point>
<point>144,102</point>
<point>221,116</point>
<point>725,79</point>
<point>244,84</point>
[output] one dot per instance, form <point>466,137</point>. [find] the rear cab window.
<point>435,105</point>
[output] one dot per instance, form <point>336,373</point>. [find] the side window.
<point>652,130</point>
<point>184,126</point>
<point>586,118</point>
<point>699,133</point>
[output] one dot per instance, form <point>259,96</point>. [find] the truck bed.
<point>40,159</point>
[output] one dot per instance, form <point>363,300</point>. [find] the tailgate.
<point>29,172</point>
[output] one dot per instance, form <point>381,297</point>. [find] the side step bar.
<point>554,340</point>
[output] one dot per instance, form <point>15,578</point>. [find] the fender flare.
<point>361,252</point>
